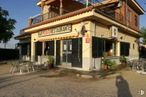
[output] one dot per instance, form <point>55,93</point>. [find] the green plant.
<point>104,54</point>
<point>111,64</point>
<point>50,60</point>
<point>123,59</point>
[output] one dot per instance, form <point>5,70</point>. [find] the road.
<point>124,84</point>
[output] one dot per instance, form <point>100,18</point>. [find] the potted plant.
<point>108,64</point>
<point>50,62</point>
<point>123,61</point>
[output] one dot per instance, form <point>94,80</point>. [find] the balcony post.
<point>29,21</point>
<point>61,7</point>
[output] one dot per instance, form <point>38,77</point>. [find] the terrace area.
<point>107,9</point>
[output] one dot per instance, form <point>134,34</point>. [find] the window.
<point>49,49</point>
<point>136,20</point>
<point>124,48</point>
<point>128,17</point>
<point>97,47</point>
<point>101,45</point>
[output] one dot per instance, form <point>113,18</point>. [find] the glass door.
<point>67,52</point>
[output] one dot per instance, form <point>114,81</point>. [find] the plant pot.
<point>105,67</point>
<point>50,66</point>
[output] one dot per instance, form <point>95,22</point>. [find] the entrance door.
<point>67,52</point>
<point>77,52</point>
<point>58,52</point>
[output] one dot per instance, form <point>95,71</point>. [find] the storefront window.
<point>49,48</point>
<point>97,47</point>
<point>100,46</point>
<point>124,48</point>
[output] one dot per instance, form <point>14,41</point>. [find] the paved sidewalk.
<point>127,84</point>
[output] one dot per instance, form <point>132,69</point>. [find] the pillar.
<point>86,54</point>
<point>43,48</point>
<point>32,51</point>
<point>55,52</point>
<point>117,44</point>
<point>61,7</point>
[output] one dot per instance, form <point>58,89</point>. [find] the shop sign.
<point>87,40</point>
<point>44,33</point>
<point>57,30</point>
<point>62,29</point>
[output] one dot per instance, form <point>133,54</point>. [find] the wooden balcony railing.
<point>43,17</point>
<point>118,18</point>
<point>112,15</point>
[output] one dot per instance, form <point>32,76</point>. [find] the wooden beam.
<point>61,7</point>
<point>49,1</point>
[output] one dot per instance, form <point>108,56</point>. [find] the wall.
<point>9,54</point>
<point>103,31</point>
<point>76,27</point>
<point>133,53</point>
<point>123,13</point>
<point>34,38</point>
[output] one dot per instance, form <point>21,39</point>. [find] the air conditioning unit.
<point>114,31</point>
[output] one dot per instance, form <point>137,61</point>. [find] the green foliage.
<point>104,54</point>
<point>123,59</point>
<point>111,64</point>
<point>143,34</point>
<point>50,60</point>
<point>114,65</point>
<point>6,26</point>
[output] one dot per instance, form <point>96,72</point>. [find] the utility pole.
<point>87,3</point>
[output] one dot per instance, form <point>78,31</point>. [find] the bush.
<point>111,64</point>
<point>50,62</point>
<point>123,59</point>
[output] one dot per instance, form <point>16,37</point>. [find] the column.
<point>32,51</point>
<point>43,48</point>
<point>54,52</point>
<point>117,48</point>
<point>86,54</point>
<point>61,7</point>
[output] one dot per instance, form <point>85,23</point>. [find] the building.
<point>78,32</point>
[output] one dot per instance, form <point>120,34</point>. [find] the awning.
<point>58,37</point>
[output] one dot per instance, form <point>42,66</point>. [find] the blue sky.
<point>21,10</point>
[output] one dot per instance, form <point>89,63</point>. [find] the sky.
<point>21,10</point>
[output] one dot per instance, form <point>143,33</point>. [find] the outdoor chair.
<point>38,65</point>
<point>14,66</point>
<point>21,67</point>
<point>41,63</point>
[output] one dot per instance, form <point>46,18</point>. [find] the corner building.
<point>78,32</point>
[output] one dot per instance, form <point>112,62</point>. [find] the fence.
<point>9,54</point>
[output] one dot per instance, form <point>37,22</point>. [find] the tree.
<point>143,34</point>
<point>6,26</point>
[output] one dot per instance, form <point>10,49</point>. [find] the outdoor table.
<point>22,67</point>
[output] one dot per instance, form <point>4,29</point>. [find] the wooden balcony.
<point>60,12</point>
<point>42,17</point>
<point>118,18</point>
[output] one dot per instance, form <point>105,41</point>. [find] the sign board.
<point>56,30</point>
<point>87,40</point>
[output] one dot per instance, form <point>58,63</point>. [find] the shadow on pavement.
<point>122,87</point>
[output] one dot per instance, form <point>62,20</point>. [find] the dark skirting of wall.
<point>9,54</point>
